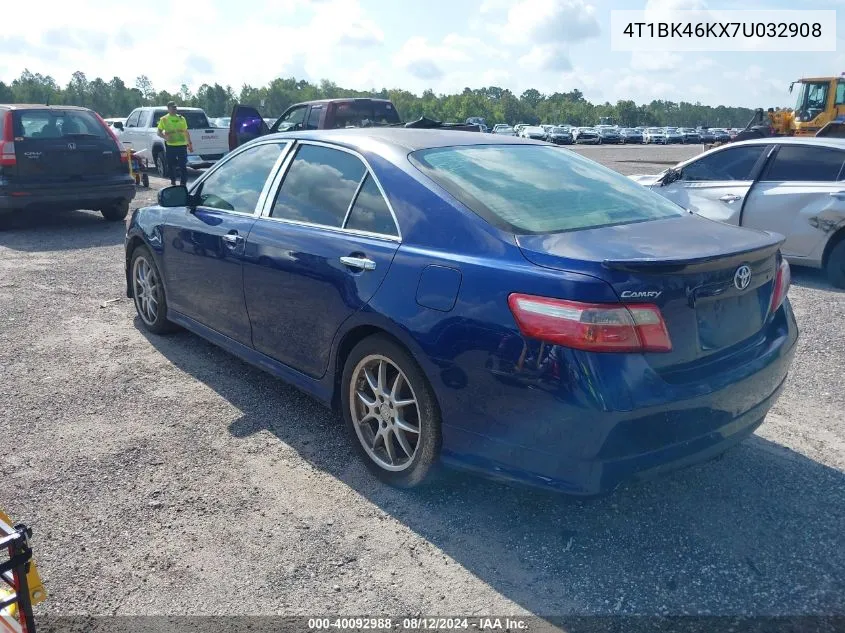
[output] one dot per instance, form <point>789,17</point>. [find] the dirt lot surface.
<point>161,475</point>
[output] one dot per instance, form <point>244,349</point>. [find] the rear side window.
<point>370,211</point>
<point>319,186</point>
<point>808,164</point>
<point>57,124</point>
<point>364,114</point>
<point>196,120</point>
<point>736,163</point>
<point>536,189</point>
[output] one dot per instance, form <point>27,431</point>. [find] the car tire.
<point>153,316</point>
<point>117,212</point>
<point>835,267</point>
<point>368,401</point>
<point>160,160</point>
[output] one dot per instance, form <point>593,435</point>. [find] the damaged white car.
<point>794,186</point>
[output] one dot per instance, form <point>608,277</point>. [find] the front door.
<point>204,245</point>
<point>715,185</point>
<point>319,252</point>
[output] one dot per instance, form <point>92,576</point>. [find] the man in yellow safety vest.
<point>173,128</point>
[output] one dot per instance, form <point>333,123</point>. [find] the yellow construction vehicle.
<point>819,111</point>
<point>20,584</point>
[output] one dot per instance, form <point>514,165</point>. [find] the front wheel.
<point>835,268</point>
<point>390,411</point>
<point>161,164</point>
<point>148,292</point>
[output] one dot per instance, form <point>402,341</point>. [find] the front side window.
<point>236,185</point>
<point>133,119</point>
<point>840,93</point>
<point>319,186</point>
<point>804,163</point>
<point>540,189</point>
<point>736,163</point>
<point>292,120</point>
<point>314,118</point>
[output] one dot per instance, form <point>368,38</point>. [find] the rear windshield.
<point>195,120</point>
<point>364,114</point>
<point>535,189</point>
<point>46,124</point>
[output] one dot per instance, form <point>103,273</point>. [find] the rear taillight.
<point>8,157</point>
<point>124,156</point>
<point>783,280</point>
<point>594,327</point>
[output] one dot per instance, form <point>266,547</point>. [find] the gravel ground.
<point>161,475</point>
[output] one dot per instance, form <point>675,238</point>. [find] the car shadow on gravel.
<point>43,231</point>
<point>812,278</point>
<point>758,532</point>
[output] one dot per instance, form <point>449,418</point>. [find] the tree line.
<point>497,105</point>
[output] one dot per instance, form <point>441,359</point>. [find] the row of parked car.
<point>598,134</point>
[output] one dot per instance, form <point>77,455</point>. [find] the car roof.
<point>836,143</point>
<point>40,106</point>
<point>406,139</point>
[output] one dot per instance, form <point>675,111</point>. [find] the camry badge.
<point>742,277</point>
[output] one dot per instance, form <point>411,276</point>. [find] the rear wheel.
<point>391,412</point>
<point>116,212</point>
<point>835,268</point>
<point>148,292</point>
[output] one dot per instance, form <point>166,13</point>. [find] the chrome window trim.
<point>352,201</point>
<point>279,179</point>
<point>262,197</point>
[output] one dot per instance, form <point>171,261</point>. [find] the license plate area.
<point>726,321</point>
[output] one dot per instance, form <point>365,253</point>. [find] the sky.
<point>444,45</point>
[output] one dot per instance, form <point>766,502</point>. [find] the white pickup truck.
<point>141,135</point>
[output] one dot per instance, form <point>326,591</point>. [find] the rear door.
<point>204,246</point>
<point>800,195</point>
<point>245,125</point>
<point>716,185</point>
<point>319,252</point>
<point>61,146</point>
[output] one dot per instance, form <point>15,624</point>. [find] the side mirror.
<point>670,176</point>
<point>117,125</point>
<point>175,196</point>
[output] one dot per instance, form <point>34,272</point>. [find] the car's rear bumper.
<point>563,429</point>
<point>65,196</point>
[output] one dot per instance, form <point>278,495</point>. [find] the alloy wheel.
<point>385,413</point>
<point>146,289</point>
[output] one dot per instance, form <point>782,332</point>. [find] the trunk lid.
<point>63,145</point>
<point>690,267</point>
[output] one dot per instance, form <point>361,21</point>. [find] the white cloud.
<point>541,22</point>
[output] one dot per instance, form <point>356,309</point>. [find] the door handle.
<point>730,197</point>
<point>231,239</point>
<point>361,263</point>
<point>837,194</point>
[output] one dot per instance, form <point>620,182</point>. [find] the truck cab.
<point>820,101</point>
<point>140,133</point>
<point>324,114</point>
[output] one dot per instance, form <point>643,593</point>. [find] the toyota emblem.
<point>742,277</point>
<point>71,145</point>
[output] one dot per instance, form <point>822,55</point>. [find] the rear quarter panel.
<point>804,212</point>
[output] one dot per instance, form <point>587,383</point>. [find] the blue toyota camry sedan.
<point>486,302</point>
